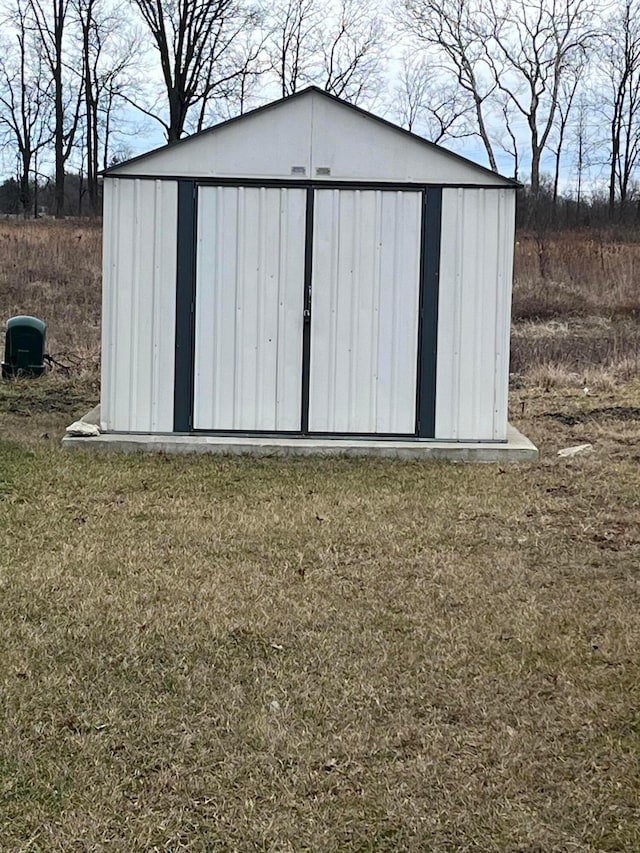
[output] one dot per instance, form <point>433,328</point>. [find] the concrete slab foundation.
<point>517,448</point>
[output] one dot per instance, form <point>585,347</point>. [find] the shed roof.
<point>310,135</point>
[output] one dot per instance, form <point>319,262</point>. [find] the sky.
<point>141,133</point>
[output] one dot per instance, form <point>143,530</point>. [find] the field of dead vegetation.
<point>287,655</point>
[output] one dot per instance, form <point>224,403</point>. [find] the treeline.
<point>550,88</point>
<point>41,195</point>
<point>542,212</point>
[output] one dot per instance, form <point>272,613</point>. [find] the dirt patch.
<point>576,344</point>
<point>620,413</point>
<point>49,394</point>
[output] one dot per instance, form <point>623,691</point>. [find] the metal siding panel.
<point>505,250</point>
<point>247,312</point>
<point>141,307</point>
<point>184,297</point>
<point>403,305</point>
<point>475,280</point>
<point>153,308</point>
<point>477,355</point>
<point>111,189</point>
<point>139,287</point>
<point>123,321</point>
<point>312,131</point>
<point>290,256</point>
<point>164,306</point>
<point>447,312</point>
<point>487,304</point>
<point>357,147</point>
<point>364,316</point>
<point>249,294</point>
<point>215,315</point>
<point>324,283</point>
<point>429,310</point>
<point>225,311</point>
<point>467,319</point>
<point>265,145</point>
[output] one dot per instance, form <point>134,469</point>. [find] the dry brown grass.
<point>576,296</point>
<point>576,307</point>
<point>238,655</point>
<point>205,654</point>
<point>52,270</point>
<point>577,346</point>
<point>575,274</point>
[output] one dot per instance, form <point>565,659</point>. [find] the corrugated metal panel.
<point>249,308</point>
<point>474,314</point>
<point>312,131</point>
<point>357,147</point>
<point>364,317</point>
<point>139,280</point>
<point>264,145</point>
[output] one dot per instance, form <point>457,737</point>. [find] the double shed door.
<point>306,310</point>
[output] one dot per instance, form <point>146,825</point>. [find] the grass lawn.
<point>199,654</point>
<point>205,655</point>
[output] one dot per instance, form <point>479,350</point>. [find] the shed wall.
<point>139,292</point>
<point>312,132</point>
<point>474,314</point>
<point>138,308</point>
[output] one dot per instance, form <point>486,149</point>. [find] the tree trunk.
<point>483,133</point>
<point>59,142</point>
<point>25,190</point>
<point>176,118</point>
<point>59,109</point>
<point>89,113</point>
<point>536,153</point>
<point>615,153</point>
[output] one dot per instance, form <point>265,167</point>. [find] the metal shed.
<point>307,271</point>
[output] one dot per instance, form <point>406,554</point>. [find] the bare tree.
<point>621,69</point>
<point>91,46</point>
<point>581,146</point>
<point>233,69</point>
<point>25,102</point>
<point>351,47</point>
<point>436,108</point>
<point>291,42</point>
<point>450,27</point>
<point>412,91</point>
<point>511,147</point>
<point>193,39</point>
<point>50,25</point>
<point>532,46</point>
<point>337,45</point>
<point>567,94</point>
<point>107,59</point>
<point>251,60</point>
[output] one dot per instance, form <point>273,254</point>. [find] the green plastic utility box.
<point>24,347</point>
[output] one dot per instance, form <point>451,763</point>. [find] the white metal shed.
<point>308,270</point>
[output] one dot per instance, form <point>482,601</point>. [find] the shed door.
<point>249,308</point>
<point>364,311</point>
